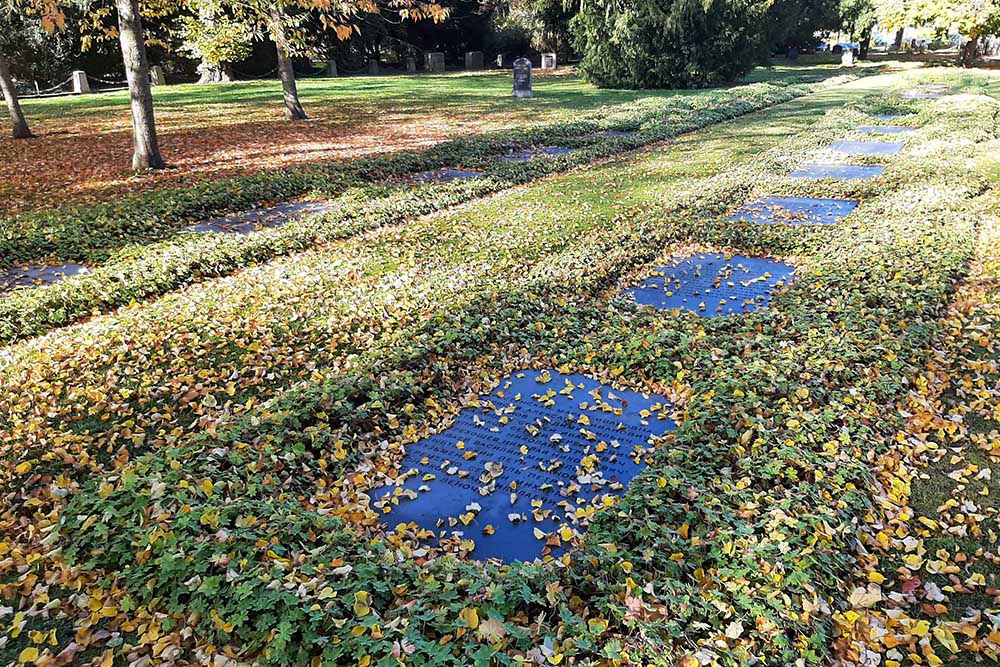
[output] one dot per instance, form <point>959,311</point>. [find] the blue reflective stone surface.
<point>867,147</point>
<point>886,129</point>
<point>525,458</point>
<point>712,285</point>
<point>445,175</point>
<point>846,171</point>
<point>530,153</point>
<point>795,210</point>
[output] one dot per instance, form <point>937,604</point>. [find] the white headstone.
<point>847,58</point>
<point>549,61</point>
<point>80,83</point>
<point>156,76</point>
<point>522,78</point>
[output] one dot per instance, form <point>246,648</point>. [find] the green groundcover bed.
<point>254,543</point>
<point>141,250</point>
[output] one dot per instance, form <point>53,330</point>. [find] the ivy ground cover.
<point>115,239</point>
<point>186,480</point>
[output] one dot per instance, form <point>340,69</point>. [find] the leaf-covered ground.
<point>927,591</point>
<point>82,152</point>
<point>185,480</point>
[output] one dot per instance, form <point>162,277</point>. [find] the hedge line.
<point>134,273</point>
<point>731,545</point>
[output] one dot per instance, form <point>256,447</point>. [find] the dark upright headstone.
<point>474,61</point>
<point>793,53</point>
<point>522,78</point>
<point>435,62</point>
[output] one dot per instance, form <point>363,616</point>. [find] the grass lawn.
<point>83,149</point>
<point>187,478</point>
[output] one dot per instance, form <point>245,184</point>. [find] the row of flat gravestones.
<point>772,209</point>
<point>522,470</point>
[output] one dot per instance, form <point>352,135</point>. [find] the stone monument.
<point>156,76</point>
<point>522,78</point>
<point>372,67</point>
<point>847,58</point>
<point>331,68</point>
<point>474,60</point>
<point>435,62</point>
<point>549,61</point>
<point>80,83</point>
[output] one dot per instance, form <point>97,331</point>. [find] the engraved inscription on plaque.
<point>522,471</point>
<point>712,285</point>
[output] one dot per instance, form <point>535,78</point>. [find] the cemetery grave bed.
<point>108,236</point>
<point>209,490</point>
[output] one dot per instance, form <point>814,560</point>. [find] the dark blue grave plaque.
<point>445,175</point>
<point>530,153</point>
<point>712,285</point>
<point>846,171</point>
<point>523,462</point>
<point>269,217</point>
<point>886,129</point>
<point>795,210</point>
<point>35,275</point>
<point>867,147</point>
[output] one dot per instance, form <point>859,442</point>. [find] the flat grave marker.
<point>795,210</point>
<point>445,175</point>
<point>616,134</point>
<point>526,154</point>
<point>712,285</point>
<point>517,464</point>
<point>867,147</point>
<point>921,95</point>
<point>845,171</point>
<point>886,129</point>
<point>34,275</point>
<point>887,116</point>
<point>270,217</point>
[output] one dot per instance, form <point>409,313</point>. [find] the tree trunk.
<point>969,52</point>
<point>293,108</point>
<point>899,39</point>
<point>146,149</point>
<point>21,130</point>
<point>865,44</point>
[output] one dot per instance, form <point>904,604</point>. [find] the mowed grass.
<point>83,148</point>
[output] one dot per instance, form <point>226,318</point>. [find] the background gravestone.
<point>156,76</point>
<point>847,58</point>
<point>549,61</point>
<point>80,83</point>
<point>331,68</point>
<point>373,67</point>
<point>435,62</point>
<point>411,65</point>
<point>522,78</point>
<point>474,60</point>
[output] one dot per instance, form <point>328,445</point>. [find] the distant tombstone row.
<point>81,84</point>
